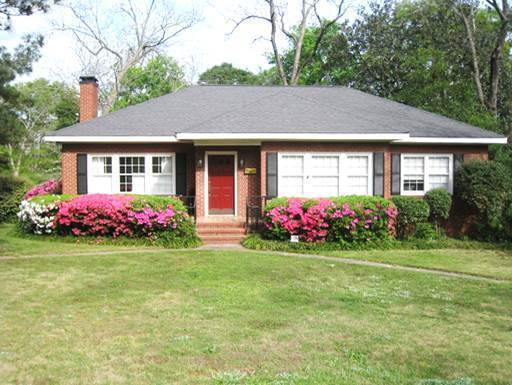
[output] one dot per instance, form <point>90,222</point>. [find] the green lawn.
<point>234,317</point>
<point>490,263</point>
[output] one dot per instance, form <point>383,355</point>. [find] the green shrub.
<point>11,194</point>
<point>352,219</point>
<point>255,242</point>
<point>157,202</point>
<point>485,187</point>
<point>411,211</point>
<point>426,231</point>
<point>440,202</point>
<point>276,202</point>
<point>363,201</point>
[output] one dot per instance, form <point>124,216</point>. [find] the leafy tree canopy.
<point>226,73</point>
<point>13,64</point>
<point>9,8</point>
<point>160,76</point>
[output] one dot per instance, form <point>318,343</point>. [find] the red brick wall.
<point>88,100</point>
<point>247,185</point>
<point>470,152</point>
<point>69,151</point>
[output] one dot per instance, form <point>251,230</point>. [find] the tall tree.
<point>160,76</point>
<point>468,10</point>
<point>225,73</point>
<point>41,107</point>
<point>13,64</point>
<point>276,14</point>
<point>122,36</point>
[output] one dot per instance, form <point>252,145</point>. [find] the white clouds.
<point>206,44</point>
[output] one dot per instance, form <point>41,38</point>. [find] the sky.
<point>207,43</point>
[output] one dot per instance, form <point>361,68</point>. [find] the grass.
<point>489,263</point>
<point>235,317</point>
<point>470,257</point>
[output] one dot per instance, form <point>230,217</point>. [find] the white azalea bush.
<point>37,218</point>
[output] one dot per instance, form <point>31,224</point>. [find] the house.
<point>228,146</point>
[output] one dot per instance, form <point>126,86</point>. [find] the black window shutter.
<point>395,174</point>
<point>181,174</point>
<point>458,159</point>
<point>378,173</point>
<point>271,174</point>
<point>81,173</point>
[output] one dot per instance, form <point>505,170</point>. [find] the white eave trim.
<point>432,140</point>
<point>111,139</point>
<point>291,137</point>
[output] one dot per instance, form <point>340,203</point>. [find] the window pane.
<point>162,165</point>
<point>414,183</point>
<point>414,165</point>
<point>291,186</point>
<point>161,184</point>
<point>438,181</point>
<point>292,165</point>
<point>102,165</point>
<point>324,176</point>
<point>357,165</point>
<point>439,165</point>
<point>357,185</point>
<point>292,175</point>
<point>357,171</point>
<point>125,183</point>
<point>324,186</point>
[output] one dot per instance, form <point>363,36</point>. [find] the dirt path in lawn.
<point>234,248</point>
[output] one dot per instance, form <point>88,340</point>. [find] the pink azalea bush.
<point>153,219</point>
<point>343,219</point>
<point>115,215</point>
<point>52,186</point>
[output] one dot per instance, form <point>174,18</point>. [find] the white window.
<point>358,175</point>
<point>325,175</point>
<point>423,172</point>
<point>132,174</point>
<point>292,175</point>
<point>101,174</point>
<point>161,175</point>
<point>319,175</point>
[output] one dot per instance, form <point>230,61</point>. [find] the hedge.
<point>160,220</point>
<point>348,219</point>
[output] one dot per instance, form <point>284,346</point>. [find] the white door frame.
<point>206,193</point>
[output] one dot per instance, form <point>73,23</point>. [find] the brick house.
<point>225,147</point>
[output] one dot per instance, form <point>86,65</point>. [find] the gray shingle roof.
<point>272,109</point>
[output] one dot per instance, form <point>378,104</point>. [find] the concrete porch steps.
<point>221,232</point>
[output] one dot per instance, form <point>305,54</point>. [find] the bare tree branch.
<point>141,29</point>
<point>276,19</point>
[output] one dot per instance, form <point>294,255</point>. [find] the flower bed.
<point>159,220</point>
<point>347,219</point>
<point>51,186</point>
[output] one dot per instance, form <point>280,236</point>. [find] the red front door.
<point>221,184</point>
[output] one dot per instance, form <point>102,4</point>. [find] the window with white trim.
<point>292,175</point>
<point>358,175</point>
<point>424,172</point>
<point>132,174</point>
<point>101,174</point>
<point>161,175</point>
<point>324,174</point>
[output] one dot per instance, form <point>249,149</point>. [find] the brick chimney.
<point>88,98</point>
